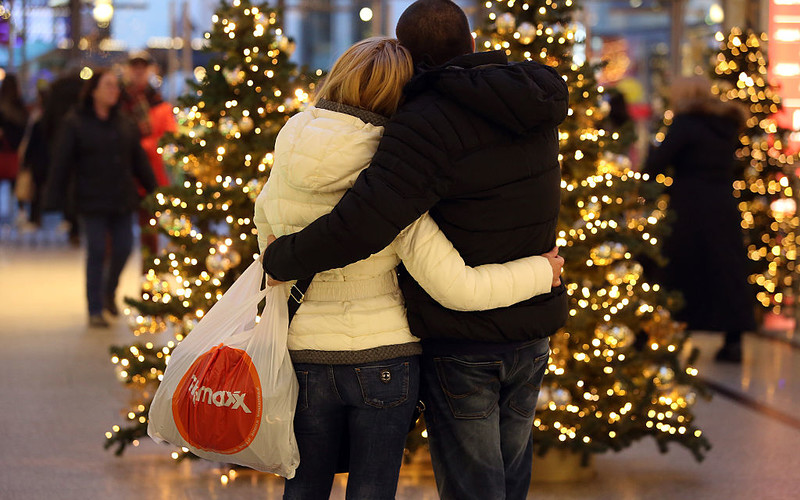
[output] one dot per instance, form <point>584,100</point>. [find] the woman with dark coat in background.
<point>99,147</point>
<point>707,258</point>
<point>65,92</point>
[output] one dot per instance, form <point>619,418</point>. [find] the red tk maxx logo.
<point>217,405</point>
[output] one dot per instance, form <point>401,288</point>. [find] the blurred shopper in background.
<point>707,259</point>
<point>99,147</point>
<point>619,118</point>
<point>35,158</point>
<point>63,96</point>
<point>13,117</point>
<point>155,118</point>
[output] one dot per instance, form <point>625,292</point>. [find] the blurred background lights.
<point>715,14</point>
<point>103,12</point>
<point>365,14</point>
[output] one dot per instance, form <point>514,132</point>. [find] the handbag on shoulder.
<point>24,188</point>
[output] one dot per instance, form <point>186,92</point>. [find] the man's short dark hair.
<point>434,31</point>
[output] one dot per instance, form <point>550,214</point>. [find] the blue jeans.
<point>374,403</point>
<point>104,262</point>
<point>479,414</point>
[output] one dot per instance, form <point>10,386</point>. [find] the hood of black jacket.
<point>516,96</point>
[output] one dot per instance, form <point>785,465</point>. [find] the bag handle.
<point>238,305</point>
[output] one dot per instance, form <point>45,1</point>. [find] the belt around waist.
<point>334,291</point>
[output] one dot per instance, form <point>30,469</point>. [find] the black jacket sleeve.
<point>405,179</point>
<point>62,164</point>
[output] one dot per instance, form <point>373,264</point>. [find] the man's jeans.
<point>102,270</point>
<point>479,414</point>
<point>374,402</point>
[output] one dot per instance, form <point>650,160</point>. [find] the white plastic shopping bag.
<point>229,391</point>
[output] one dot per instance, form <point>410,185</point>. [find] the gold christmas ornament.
<point>661,328</point>
<point>217,263</point>
<point>624,272</point>
<point>233,76</point>
<point>175,226</point>
<point>222,261</point>
<point>607,252</point>
<point>155,285</point>
<point>527,33</point>
<point>246,124</point>
<point>505,23</point>
<point>560,396</point>
<point>664,376</point>
<point>619,336</point>
<point>227,125</point>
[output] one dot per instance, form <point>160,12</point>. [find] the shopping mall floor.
<point>59,395</point>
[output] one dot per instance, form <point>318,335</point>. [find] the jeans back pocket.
<point>471,387</point>
<point>384,386</point>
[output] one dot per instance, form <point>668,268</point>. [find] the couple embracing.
<point>421,192</point>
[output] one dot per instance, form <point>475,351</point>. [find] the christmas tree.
<point>223,152</point>
<point>769,185</point>
<point>617,370</point>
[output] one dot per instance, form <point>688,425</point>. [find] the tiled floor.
<point>59,395</point>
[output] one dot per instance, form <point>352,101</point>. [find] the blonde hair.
<point>369,75</point>
<point>693,95</point>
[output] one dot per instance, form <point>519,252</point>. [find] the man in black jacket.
<point>476,144</point>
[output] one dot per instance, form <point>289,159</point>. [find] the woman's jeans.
<point>105,232</point>
<point>374,403</point>
<point>479,413</point>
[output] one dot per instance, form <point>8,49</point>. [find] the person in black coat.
<point>100,148</point>
<point>707,258</point>
<point>64,95</point>
<point>476,144</point>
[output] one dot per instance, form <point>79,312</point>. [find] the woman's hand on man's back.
<point>557,263</point>
<point>270,281</point>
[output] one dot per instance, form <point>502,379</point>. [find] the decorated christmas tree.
<point>769,186</point>
<point>618,370</point>
<point>223,153</point>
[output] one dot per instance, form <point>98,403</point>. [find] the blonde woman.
<point>706,237</point>
<point>355,357</point>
